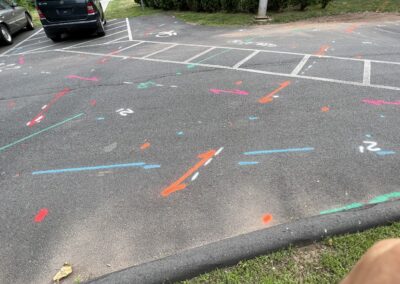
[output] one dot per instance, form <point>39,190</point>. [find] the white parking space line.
<point>386,31</point>
<point>160,51</point>
<point>31,44</point>
<point>36,38</point>
<point>367,73</point>
<point>301,64</point>
<point>242,70</point>
<point>103,44</point>
<point>40,48</point>
<point>200,54</point>
<point>240,63</point>
<point>107,30</point>
<point>98,38</point>
<point>128,27</point>
<point>116,23</point>
<point>18,44</point>
<point>112,20</point>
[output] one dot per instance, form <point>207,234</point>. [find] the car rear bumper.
<point>51,27</point>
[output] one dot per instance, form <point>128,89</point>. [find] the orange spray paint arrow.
<point>269,98</point>
<point>178,185</point>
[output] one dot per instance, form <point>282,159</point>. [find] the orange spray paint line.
<point>107,57</point>
<point>351,29</point>
<point>322,50</point>
<point>238,83</point>
<point>269,98</point>
<point>325,109</point>
<point>145,146</point>
<point>178,185</point>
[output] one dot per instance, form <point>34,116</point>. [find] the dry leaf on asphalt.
<point>65,270</point>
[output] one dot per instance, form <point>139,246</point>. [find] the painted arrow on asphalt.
<point>269,98</point>
<point>233,92</point>
<point>178,184</point>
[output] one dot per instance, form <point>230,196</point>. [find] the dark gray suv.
<point>64,16</point>
<point>12,19</point>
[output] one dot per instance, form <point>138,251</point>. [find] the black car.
<point>64,16</point>
<point>12,19</point>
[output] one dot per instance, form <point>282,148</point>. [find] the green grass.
<point>337,7</point>
<point>325,262</point>
<point>216,19</point>
<point>126,9</point>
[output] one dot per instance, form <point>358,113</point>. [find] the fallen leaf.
<point>65,270</point>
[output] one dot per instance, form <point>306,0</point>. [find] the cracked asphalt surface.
<point>164,136</point>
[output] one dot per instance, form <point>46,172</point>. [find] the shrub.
<point>277,5</point>
<point>248,6</point>
<point>230,5</point>
<point>324,3</point>
<point>301,3</point>
<point>193,5</point>
<point>211,5</point>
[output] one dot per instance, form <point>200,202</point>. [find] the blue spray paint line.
<point>192,65</point>
<point>384,153</point>
<point>264,152</point>
<point>40,131</point>
<point>247,163</point>
<point>347,207</point>
<point>58,171</point>
<point>384,197</point>
<point>253,117</point>
<point>100,118</point>
<point>148,167</point>
<point>180,133</point>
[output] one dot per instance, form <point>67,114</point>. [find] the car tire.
<point>100,30</point>
<point>5,35</point>
<point>29,23</point>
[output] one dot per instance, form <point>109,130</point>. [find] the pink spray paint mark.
<point>40,116</point>
<point>41,215</point>
<point>94,79</point>
<point>380,102</point>
<point>93,102</point>
<point>21,60</point>
<point>233,92</point>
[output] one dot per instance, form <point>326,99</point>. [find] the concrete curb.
<point>192,262</point>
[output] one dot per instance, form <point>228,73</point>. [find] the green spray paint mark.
<point>384,197</point>
<point>146,85</point>
<point>347,207</point>
<point>38,132</point>
<point>375,200</point>
<point>192,65</point>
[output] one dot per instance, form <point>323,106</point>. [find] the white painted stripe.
<point>219,151</point>
<point>107,30</point>
<point>242,70</point>
<point>301,65</point>
<point>129,47</point>
<point>240,63</point>
<point>116,23</point>
<point>128,28</point>
<point>31,44</point>
<point>208,161</point>
<point>160,51</point>
<point>386,31</point>
<point>21,42</point>
<point>98,38</point>
<point>367,73</point>
<point>40,48</point>
<point>200,54</point>
<point>36,38</point>
<point>114,41</point>
<point>195,176</point>
<point>112,20</point>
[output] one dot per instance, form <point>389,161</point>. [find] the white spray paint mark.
<point>195,176</point>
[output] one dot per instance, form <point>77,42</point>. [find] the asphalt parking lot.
<point>164,136</point>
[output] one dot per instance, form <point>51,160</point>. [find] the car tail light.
<point>40,13</point>
<point>90,9</point>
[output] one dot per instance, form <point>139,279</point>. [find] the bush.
<point>277,5</point>
<point>301,3</point>
<point>210,5</point>
<point>230,5</point>
<point>324,3</point>
<point>193,5</point>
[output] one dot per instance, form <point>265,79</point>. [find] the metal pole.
<point>262,9</point>
<point>141,2</point>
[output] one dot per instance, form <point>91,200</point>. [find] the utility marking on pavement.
<point>385,153</point>
<point>178,184</point>
<point>380,102</point>
<point>248,163</point>
<point>93,79</point>
<point>21,60</point>
<point>128,28</point>
<point>269,98</point>
<point>40,116</point>
<point>351,29</point>
<point>94,168</point>
<point>323,49</point>
<point>325,109</point>
<point>145,146</point>
<point>193,65</point>
<point>40,131</point>
<point>267,218</point>
<point>199,55</point>
<point>276,151</point>
<point>232,92</point>
<point>160,51</point>
<point>246,70</point>
<point>41,215</point>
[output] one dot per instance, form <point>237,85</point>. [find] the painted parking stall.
<point>162,136</point>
